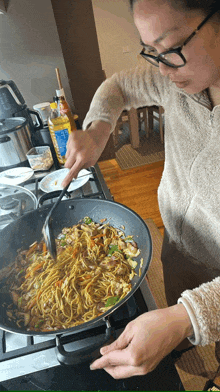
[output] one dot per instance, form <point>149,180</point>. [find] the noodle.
<point>93,271</point>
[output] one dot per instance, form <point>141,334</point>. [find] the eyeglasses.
<point>173,57</point>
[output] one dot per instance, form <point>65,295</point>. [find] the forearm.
<point>99,127</point>
<point>100,132</point>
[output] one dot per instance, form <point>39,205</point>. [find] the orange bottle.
<point>64,108</point>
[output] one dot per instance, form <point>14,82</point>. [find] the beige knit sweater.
<point>189,191</point>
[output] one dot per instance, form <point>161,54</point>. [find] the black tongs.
<point>47,229</point>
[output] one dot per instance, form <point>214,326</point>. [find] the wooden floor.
<point>136,188</point>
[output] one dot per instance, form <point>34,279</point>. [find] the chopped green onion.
<point>87,220</point>
<point>63,243</point>
<point>128,239</point>
<point>112,249</point>
<point>20,272</point>
<point>111,301</point>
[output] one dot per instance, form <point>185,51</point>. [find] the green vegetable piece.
<point>129,239</point>
<point>111,301</point>
<point>38,324</point>
<point>112,249</point>
<point>20,272</point>
<point>63,243</point>
<point>87,220</point>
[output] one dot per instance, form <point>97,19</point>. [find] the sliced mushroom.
<point>15,297</point>
<point>27,318</point>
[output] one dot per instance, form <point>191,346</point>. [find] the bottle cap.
<point>53,105</point>
<point>60,93</point>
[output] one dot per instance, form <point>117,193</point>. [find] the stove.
<point>34,362</point>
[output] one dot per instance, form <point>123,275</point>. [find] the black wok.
<point>28,229</point>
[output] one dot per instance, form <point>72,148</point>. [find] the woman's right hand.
<point>85,147</point>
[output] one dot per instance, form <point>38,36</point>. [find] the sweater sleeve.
<point>137,87</point>
<point>205,304</point>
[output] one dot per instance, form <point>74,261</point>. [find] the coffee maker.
<point>12,104</point>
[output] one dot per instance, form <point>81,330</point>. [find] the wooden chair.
<point>135,117</point>
<point>159,117</point>
<point>129,116</point>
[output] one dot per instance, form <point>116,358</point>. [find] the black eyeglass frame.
<point>178,50</point>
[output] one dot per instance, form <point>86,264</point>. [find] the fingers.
<point>72,174</point>
<point>119,372</point>
<point>118,364</point>
<point>119,344</point>
<point>113,358</point>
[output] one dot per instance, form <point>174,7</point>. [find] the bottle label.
<point>61,138</point>
<point>63,110</point>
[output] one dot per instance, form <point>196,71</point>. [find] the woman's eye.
<point>150,50</point>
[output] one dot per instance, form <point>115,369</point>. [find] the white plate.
<point>52,182</point>
<point>19,175</point>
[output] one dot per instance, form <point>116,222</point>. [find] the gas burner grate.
<point>8,203</point>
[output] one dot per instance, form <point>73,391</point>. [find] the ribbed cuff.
<point>195,338</point>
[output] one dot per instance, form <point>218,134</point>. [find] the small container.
<point>40,158</point>
<point>44,110</point>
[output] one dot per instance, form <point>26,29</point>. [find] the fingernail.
<point>91,367</point>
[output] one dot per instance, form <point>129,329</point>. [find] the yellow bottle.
<point>64,108</point>
<point>60,129</point>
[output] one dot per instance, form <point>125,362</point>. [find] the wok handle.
<point>84,354</point>
<point>50,195</point>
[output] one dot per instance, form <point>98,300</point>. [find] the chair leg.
<point>145,120</point>
<point>150,115</point>
<point>134,127</point>
<point>116,131</point>
<point>161,127</point>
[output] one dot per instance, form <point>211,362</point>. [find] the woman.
<point>182,38</point>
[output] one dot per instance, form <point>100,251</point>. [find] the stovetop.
<point>31,363</point>
<point>13,203</point>
<point>42,371</point>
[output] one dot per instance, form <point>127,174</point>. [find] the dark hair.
<point>204,5</point>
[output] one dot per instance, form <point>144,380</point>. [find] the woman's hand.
<point>145,342</point>
<point>85,147</point>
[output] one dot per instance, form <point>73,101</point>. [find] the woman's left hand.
<point>145,342</point>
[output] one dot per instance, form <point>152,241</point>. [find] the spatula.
<point>47,229</point>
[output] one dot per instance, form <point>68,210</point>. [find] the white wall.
<point>116,30</point>
<point>30,50</point>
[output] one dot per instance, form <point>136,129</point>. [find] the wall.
<point>77,33</point>
<point>30,50</point>
<point>116,30</point>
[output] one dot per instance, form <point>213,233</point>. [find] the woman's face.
<point>164,28</point>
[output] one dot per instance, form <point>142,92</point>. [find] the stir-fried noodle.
<point>93,271</point>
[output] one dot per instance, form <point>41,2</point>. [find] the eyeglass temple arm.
<point>199,27</point>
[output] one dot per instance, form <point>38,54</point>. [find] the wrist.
<point>182,318</point>
<point>195,338</point>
